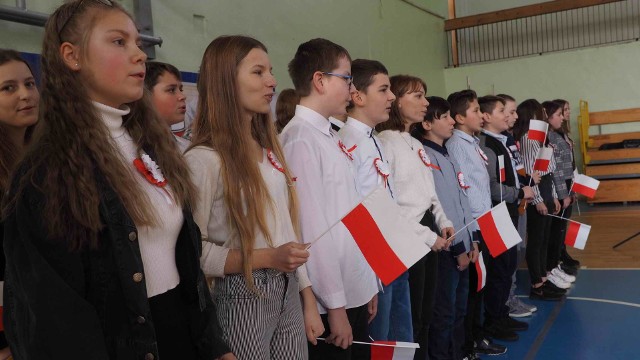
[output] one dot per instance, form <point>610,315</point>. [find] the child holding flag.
<point>544,199</point>
<point>504,187</point>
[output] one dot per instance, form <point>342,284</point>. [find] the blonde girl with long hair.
<point>102,251</point>
<point>247,207</point>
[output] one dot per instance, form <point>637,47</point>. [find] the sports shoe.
<point>557,281</point>
<point>544,292</point>
<point>499,330</point>
<point>513,324</point>
<point>515,309</point>
<point>557,271</point>
<point>554,288</point>
<point>524,305</point>
<point>487,347</point>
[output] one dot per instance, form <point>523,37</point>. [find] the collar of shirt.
<point>336,122</point>
<point>360,126</point>
<point>466,137</point>
<point>441,149</point>
<point>314,118</point>
<point>502,138</point>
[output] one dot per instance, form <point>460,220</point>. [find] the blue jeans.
<point>446,334</point>
<point>393,321</point>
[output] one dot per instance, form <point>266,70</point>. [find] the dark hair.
<point>400,86</point>
<point>155,69</point>
<point>314,55</point>
<point>527,110</point>
<point>286,107</point>
<point>551,107</point>
<point>506,97</point>
<point>437,107</point>
<point>9,153</point>
<point>459,102</point>
<point>488,103</point>
<point>564,129</point>
<point>364,70</point>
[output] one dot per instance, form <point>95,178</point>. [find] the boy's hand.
<point>463,262</point>
<point>528,193</point>
<point>474,253</point>
<point>341,334</point>
<point>372,307</point>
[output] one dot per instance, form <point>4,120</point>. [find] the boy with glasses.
<point>343,282</point>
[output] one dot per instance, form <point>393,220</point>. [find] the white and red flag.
<point>393,350</point>
<point>577,234</point>
<point>497,230</point>
<point>543,159</point>
<point>585,185</point>
<point>481,270</point>
<point>503,173</point>
<point>385,238</point>
<point>538,130</point>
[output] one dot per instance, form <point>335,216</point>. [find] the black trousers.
<point>422,287</point>
<point>172,328</point>
<point>538,230</point>
<point>557,233</point>
<point>358,320</point>
<point>500,271</point>
<point>473,330</point>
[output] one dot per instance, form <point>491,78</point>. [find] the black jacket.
<point>509,185</point>
<point>86,305</point>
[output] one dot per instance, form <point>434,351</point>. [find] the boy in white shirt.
<point>370,106</point>
<point>343,282</point>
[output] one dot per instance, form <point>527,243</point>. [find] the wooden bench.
<point>618,169</point>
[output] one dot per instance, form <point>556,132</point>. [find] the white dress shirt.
<point>367,147</point>
<point>326,190</point>
<point>211,213</point>
<point>414,187</point>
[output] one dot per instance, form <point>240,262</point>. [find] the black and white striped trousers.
<point>264,326</point>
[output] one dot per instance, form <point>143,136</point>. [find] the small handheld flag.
<point>543,159</point>
<point>498,231</point>
<point>538,130</point>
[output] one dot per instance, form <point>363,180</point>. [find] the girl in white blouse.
<point>247,209</point>
<point>415,193</point>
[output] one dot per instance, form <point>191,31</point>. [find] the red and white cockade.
<point>347,151</point>
<point>461,182</point>
<point>150,170</point>
<point>383,169</point>
<point>426,160</point>
<point>483,156</point>
<point>276,164</point>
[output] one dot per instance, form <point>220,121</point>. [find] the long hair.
<point>286,108</point>
<point>566,124</point>
<point>9,152</point>
<point>71,144</point>
<point>219,124</point>
<point>400,86</point>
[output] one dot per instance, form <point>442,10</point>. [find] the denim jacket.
<point>92,303</point>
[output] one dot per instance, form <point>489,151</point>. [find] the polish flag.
<point>538,130</point>
<point>497,230</point>
<point>482,272</point>
<point>585,185</point>
<point>393,350</point>
<point>543,159</point>
<point>385,238</point>
<point>503,173</point>
<point>577,234</point>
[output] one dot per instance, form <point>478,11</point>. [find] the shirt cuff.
<point>332,301</point>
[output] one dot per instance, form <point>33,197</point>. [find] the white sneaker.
<point>557,281</point>
<point>563,275</point>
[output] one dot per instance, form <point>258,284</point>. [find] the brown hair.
<point>401,85</point>
<point>9,152</point>
<point>286,107</point>
<point>72,144</point>
<point>219,124</point>
<point>314,55</point>
<point>155,69</point>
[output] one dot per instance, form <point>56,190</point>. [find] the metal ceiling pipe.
<point>23,16</point>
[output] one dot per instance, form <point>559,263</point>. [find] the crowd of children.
<point>123,241</point>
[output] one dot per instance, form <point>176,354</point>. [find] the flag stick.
<point>474,221</point>
<point>376,344</point>
<point>571,188</point>
<point>559,217</point>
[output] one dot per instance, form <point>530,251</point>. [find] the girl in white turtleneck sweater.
<point>102,250</point>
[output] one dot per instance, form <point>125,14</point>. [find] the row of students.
<point>115,239</point>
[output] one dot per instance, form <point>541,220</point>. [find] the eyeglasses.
<point>75,9</point>
<point>347,78</point>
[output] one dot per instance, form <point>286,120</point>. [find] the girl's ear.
<point>70,56</point>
